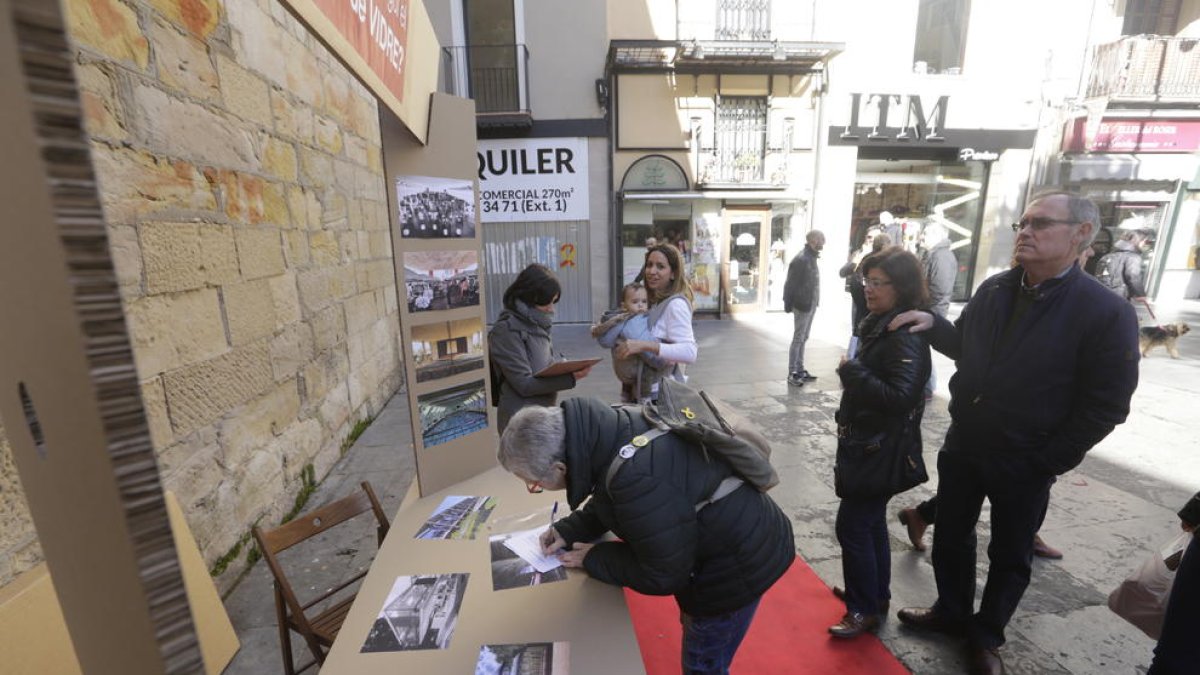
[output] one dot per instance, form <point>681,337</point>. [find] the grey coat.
<point>941,268</point>
<point>519,348</point>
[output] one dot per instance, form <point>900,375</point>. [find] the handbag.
<point>1142,598</point>
<point>878,464</point>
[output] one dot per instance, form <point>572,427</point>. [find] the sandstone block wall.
<point>242,179</point>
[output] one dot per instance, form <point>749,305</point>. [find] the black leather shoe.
<point>854,624</point>
<point>807,376</point>
<point>884,607</point>
<point>984,661</point>
<point>928,618</point>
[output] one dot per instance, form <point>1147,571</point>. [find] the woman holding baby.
<point>670,316</point>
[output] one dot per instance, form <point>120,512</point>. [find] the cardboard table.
<point>589,615</point>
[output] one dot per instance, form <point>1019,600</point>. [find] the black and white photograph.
<point>435,208</point>
<point>450,413</point>
<point>420,612</point>
<point>510,570</point>
<point>457,517</point>
<point>447,348</point>
<point>530,658</point>
<point>441,279</point>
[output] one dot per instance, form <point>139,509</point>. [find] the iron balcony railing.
<point>743,20</point>
<point>738,150</point>
<point>496,76</point>
<point>1147,68</point>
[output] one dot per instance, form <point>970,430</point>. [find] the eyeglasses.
<point>875,283</point>
<point>1039,224</point>
<point>534,487</point>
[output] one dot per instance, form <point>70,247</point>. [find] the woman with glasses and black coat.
<point>879,416</point>
<point>519,345</point>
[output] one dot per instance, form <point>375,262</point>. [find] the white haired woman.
<point>716,561</point>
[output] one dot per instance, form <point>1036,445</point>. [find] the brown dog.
<point>1165,336</point>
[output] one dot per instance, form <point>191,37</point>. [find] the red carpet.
<point>788,634</point>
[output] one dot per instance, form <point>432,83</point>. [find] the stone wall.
<point>242,181</point>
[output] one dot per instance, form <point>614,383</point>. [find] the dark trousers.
<point>709,642</point>
<point>1019,495</point>
<point>928,510</point>
<point>866,554</point>
<point>1178,650</point>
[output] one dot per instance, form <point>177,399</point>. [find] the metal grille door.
<point>560,245</point>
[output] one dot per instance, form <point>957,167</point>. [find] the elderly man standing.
<point>801,294</point>
<point>1046,366</point>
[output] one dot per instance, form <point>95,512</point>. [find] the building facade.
<point>543,148</point>
<point>1126,132</point>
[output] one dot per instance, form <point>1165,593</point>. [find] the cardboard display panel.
<point>588,615</point>
<point>436,244</point>
<point>69,394</point>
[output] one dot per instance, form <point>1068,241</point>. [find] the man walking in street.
<point>801,294</point>
<point>1047,363</point>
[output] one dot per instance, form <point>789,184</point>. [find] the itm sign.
<point>875,110</point>
<point>532,179</point>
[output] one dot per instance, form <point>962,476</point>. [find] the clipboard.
<point>565,367</point>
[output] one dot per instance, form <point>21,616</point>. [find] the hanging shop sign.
<point>1132,135</point>
<point>533,179</point>
<point>889,121</point>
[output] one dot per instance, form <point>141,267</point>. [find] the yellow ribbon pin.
<point>687,412</point>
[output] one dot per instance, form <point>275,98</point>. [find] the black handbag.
<point>879,464</point>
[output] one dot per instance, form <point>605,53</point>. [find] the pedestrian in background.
<point>669,318</point>
<point>801,295</point>
<point>1047,361</point>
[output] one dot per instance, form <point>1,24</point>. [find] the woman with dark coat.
<point>519,344</point>
<point>717,561</point>
<point>882,398</point>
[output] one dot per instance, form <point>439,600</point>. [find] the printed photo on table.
<point>447,348</point>
<point>441,279</point>
<point>530,658</point>
<point>420,612</point>
<point>435,208</point>
<point>457,517</point>
<point>509,570</point>
<point>447,414</point>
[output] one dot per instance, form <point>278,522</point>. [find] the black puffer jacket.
<point>884,384</point>
<point>714,561</point>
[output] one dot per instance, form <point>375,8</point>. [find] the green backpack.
<point>708,424</point>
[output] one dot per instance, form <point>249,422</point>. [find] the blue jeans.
<point>866,554</point>
<point>709,642</point>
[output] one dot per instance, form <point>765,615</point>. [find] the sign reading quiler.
<point>533,179</point>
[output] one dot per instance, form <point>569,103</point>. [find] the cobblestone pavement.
<point>1106,515</point>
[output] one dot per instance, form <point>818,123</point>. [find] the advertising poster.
<point>451,413</point>
<point>435,208</point>
<point>447,348</point>
<point>437,280</point>
<point>525,180</point>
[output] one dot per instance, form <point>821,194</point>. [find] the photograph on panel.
<point>517,561</point>
<point>420,612</point>
<point>447,348</point>
<point>457,517</point>
<point>436,208</point>
<point>447,414</point>
<point>530,658</point>
<point>441,279</point>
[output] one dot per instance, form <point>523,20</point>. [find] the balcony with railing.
<point>736,150</point>
<point>746,20</point>
<point>1147,69</point>
<point>496,76</point>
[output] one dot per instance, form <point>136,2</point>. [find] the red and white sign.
<point>1133,135</point>
<point>377,31</point>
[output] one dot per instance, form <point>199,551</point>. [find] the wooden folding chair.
<point>320,629</point>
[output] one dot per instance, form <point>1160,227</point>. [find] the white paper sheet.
<point>525,544</point>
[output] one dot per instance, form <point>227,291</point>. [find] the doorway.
<point>745,259</point>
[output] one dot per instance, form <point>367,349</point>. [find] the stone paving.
<point>1106,516</point>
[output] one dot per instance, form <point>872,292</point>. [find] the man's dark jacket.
<point>713,561</point>
<point>802,289</point>
<point>1121,271</point>
<point>1055,385</point>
